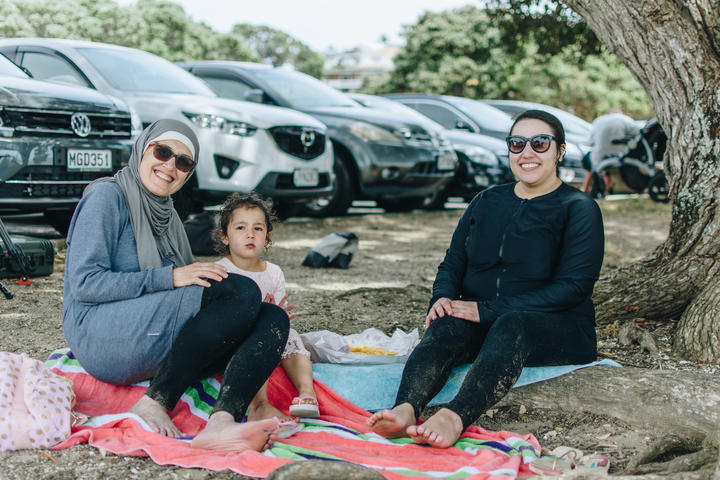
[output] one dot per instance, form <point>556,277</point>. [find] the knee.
<point>275,320</point>
<point>242,293</point>
<point>510,326</point>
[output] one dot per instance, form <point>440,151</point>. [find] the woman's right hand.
<point>198,273</point>
<point>442,307</point>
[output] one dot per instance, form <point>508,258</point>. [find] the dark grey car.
<point>379,156</point>
<point>54,140</point>
<point>482,159</point>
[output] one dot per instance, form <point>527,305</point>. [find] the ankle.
<point>452,417</point>
<point>406,410</point>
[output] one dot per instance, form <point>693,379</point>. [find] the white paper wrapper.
<point>329,347</point>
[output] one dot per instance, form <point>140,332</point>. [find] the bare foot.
<point>263,409</point>
<point>441,430</point>
<point>392,423</point>
<point>156,416</point>
<point>223,433</point>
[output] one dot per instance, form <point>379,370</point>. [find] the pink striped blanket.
<point>340,434</point>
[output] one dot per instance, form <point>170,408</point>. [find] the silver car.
<point>276,151</point>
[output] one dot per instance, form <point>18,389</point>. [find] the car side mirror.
<point>462,125</point>
<point>254,95</point>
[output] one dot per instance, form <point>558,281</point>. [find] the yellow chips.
<point>364,349</point>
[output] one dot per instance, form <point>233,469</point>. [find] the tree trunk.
<point>673,50</point>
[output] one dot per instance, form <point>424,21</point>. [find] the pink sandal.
<point>287,428</point>
<point>307,410</point>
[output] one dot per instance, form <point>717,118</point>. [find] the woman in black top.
<point>513,290</point>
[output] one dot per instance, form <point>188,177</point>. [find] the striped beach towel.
<point>340,434</point>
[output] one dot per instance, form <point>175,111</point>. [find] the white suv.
<point>278,152</point>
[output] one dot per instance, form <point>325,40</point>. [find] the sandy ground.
<point>387,286</point>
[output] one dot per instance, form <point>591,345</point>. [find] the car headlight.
<point>135,124</point>
<point>372,133</point>
<point>478,155</point>
<point>231,127</point>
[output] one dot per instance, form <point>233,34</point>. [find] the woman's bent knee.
<point>275,319</point>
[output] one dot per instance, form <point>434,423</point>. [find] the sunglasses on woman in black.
<point>539,143</point>
<point>183,162</point>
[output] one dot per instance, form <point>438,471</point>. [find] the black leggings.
<point>498,352</point>
<point>233,332</point>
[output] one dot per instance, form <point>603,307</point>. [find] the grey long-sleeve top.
<point>118,320</point>
<point>511,254</point>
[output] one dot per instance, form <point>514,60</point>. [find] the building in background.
<point>349,70</point>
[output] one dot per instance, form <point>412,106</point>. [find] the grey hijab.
<point>159,233</point>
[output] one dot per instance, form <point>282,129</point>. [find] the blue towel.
<point>373,387</point>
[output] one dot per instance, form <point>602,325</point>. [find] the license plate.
<point>89,160</point>
<point>446,161</point>
<point>306,177</point>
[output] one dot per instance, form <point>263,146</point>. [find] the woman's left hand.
<point>465,310</point>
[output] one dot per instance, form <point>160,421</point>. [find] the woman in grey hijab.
<point>136,306</point>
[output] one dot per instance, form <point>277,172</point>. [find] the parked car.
<point>577,132</point>
<point>54,140</point>
<point>278,152</point>
<point>458,113</point>
<point>378,156</point>
<point>482,160</point>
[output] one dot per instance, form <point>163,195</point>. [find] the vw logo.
<point>307,138</point>
<point>80,124</point>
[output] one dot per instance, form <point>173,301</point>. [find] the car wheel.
<point>401,204</point>
<point>597,185</point>
<point>339,200</point>
<point>436,201</point>
<point>59,220</point>
<point>184,201</point>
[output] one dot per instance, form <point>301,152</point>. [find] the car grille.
<point>40,181</point>
<point>305,143</point>
<point>31,121</point>
<point>425,168</point>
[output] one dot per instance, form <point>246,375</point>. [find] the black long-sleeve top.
<point>512,254</point>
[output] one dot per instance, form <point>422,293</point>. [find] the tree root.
<point>702,454</point>
<point>630,333</point>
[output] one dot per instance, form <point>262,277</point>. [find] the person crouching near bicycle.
<point>609,136</point>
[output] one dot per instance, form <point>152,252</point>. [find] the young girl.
<point>243,234</point>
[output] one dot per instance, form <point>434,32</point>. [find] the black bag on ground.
<point>39,256</point>
<point>199,228</point>
<point>334,250</point>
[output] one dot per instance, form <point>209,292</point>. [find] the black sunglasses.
<point>183,162</point>
<point>539,143</point>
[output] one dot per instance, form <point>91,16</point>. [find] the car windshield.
<point>137,71</point>
<point>302,91</point>
<point>392,106</point>
<point>489,118</point>
<point>9,68</point>
<point>570,122</point>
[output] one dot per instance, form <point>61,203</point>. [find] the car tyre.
<point>341,198</point>
<point>437,200</point>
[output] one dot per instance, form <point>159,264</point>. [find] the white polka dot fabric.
<point>35,404</point>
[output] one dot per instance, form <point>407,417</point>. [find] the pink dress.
<point>271,281</point>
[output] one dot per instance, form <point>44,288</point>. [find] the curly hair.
<point>233,202</point>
